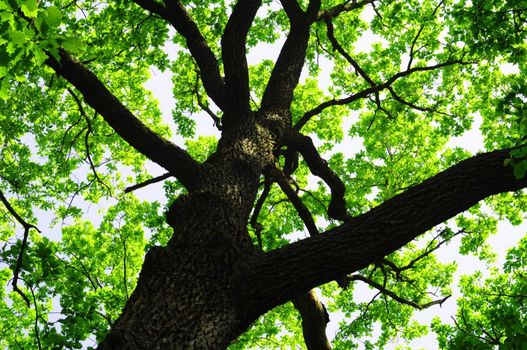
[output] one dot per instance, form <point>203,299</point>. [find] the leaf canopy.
<point>432,71</point>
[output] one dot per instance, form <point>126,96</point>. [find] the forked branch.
<point>391,294</point>
<point>371,90</point>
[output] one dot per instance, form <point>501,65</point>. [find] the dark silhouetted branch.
<point>371,90</point>
<point>295,200</point>
<point>23,246</point>
<point>148,182</point>
<point>130,128</point>
<point>319,167</point>
<point>368,238</point>
<point>174,12</point>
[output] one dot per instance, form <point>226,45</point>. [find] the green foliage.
<point>60,160</point>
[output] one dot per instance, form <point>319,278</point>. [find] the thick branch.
<point>314,320</point>
<point>286,72</point>
<point>319,167</point>
<point>131,129</point>
<point>283,273</point>
<point>177,16</point>
<point>233,48</point>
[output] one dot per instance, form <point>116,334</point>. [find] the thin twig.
<point>23,247</point>
<point>148,182</point>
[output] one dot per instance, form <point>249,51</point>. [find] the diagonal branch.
<point>368,238</point>
<point>233,49</point>
<point>336,46</point>
<point>23,247</point>
<point>174,12</point>
<point>204,105</point>
<point>293,197</point>
<point>131,129</point>
<point>148,182</point>
<point>371,90</point>
<point>319,167</point>
<point>381,288</point>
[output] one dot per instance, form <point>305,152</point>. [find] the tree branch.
<point>336,46</point>
<point>148,182</point>
<point>314,320</point>
<point>392,294</point>
<point>286,72</point>
<point>371,90</point>
<point>257,208</point>
<point>174,12</point>
<point>131,129</point>
<point>319,167</point>
<point>23,247</point>
<point>346,6</point>
<point>233,49</point>
<point>300,207</point>
<point>298,267</point>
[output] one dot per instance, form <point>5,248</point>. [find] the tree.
<point>78,127</point>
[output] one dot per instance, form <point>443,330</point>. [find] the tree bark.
<point>210,284</point>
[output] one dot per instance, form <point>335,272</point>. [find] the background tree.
<point>79,129</point>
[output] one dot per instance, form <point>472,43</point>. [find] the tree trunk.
<point>190,294</point>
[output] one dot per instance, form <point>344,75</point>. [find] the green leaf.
<point>18,37</point>
<point>30,8</point>
<point>73,45</point>
<point>53,16</point>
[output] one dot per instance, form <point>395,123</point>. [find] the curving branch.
<point>319,167</point>
<point>204,105</point>
<point>368,238</point>
<point>27,226</point>
<point>233,50</point>
<point>174,13</point>
<point>257,208</point>
<point>398,270</point>
<point>89,130</point>
<point>129,127</point>
<point>371,90</point>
